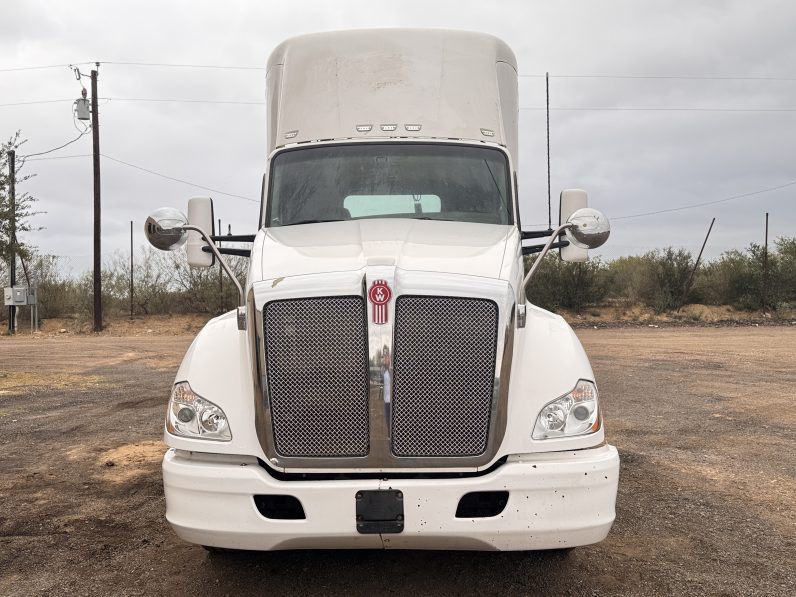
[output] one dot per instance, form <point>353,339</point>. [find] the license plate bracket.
<point>380,511</point>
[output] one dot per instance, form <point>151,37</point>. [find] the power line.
<point>667,77</point>
<point>175,65</point>
<point>530,108</point>
<point>142,99</point>
<point>52,101</point>
<point>629,109</point>
<point>193,184</point>
<point>46,66</point>
<point>526,76</point>
<point>30,155</point>
<point>750,194</point>
<point>184,101</point>
<point>60,157</point>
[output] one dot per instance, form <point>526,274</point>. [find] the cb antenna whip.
<point>547,95</point>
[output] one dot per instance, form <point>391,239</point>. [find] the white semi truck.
<point>385,382</point>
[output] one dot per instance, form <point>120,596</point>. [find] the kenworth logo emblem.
<point>379,294</point>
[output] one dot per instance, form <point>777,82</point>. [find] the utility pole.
<point>696,265</point>
<point>131,269</point>
<point>12,234</point>
<point>765,268</point>
<point>547,97</point>
<point>97,205</point>
<point>220,278</point>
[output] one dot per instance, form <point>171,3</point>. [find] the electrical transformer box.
<point>16,296</point>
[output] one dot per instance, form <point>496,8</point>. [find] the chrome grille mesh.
<point>317,368</point>
<point>443,375</point>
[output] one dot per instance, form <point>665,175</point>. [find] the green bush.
<point>737,278</point>
<point>656,279</point>
<point>733,279</point>
<point>164,283</point>
<point>569,285</point>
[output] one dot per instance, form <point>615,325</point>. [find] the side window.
<point>517,202</point>
<point>262,203</point>
<point>364,206</point>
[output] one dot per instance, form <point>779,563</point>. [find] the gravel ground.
<point>703,419</point>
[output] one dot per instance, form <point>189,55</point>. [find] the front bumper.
<point>558,499</point>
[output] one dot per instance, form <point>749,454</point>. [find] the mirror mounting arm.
<point>241,295</point>
<point>553,238</point>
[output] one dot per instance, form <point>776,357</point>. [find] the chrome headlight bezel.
<point>191,416</point>
<point>576,413</point>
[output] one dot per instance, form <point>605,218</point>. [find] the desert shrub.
<point>786,271</point>
<point>163,283</point>
<point>59,294</point>
<point>573,286</point>
<point>656,279</point>
<point>737,277</point>
<point>626,278</point>
<point>732,279</point>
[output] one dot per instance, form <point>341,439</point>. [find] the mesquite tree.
<point>23,203</point>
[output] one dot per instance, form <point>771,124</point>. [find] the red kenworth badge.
<point>380,294</point>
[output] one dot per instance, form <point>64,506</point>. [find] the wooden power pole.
<point>97,205</point>
<point>765,269</point>
<point>131,270</point>
<point>12,234</point>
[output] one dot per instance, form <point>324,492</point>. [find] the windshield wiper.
<point>310,222</point>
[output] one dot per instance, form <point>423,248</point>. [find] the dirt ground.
<point>704,420</point>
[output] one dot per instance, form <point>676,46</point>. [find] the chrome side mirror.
<point>588,228</point>
<point>165,229</point>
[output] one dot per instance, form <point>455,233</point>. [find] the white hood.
<point>419,245</point>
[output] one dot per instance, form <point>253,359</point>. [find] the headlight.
<point>575,413</point>
<point>192,416</point>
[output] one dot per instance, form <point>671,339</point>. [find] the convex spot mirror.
<point>164,229</point>
<point>590,228</point>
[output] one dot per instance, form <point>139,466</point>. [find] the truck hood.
<point>420,245</point>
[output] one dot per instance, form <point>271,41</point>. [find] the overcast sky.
<point>737,136</point>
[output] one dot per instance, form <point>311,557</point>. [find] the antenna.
<point>547,95</point>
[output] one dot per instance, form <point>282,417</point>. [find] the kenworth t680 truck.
<point>384,382</point>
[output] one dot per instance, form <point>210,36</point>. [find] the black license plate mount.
<point>380,511</point>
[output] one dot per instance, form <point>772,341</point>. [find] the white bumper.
<point>559,499</point>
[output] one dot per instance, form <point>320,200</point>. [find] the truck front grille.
<point>316,358</point>
<point>443,375</point>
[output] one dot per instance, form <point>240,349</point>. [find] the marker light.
<point>364,128</point>
<point>389,127</point>
<point>413,128</point>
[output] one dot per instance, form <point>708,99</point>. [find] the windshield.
<point>389,180</point>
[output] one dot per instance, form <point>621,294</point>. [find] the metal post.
<point>765,269</point>
<point>12,269</point>
<point>97,205</point>
<point>131,269</point>
<point>547,96</point>
<point>696,264</point>
<point>220,279</point>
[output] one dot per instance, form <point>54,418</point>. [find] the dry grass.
<point>17,381</point>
